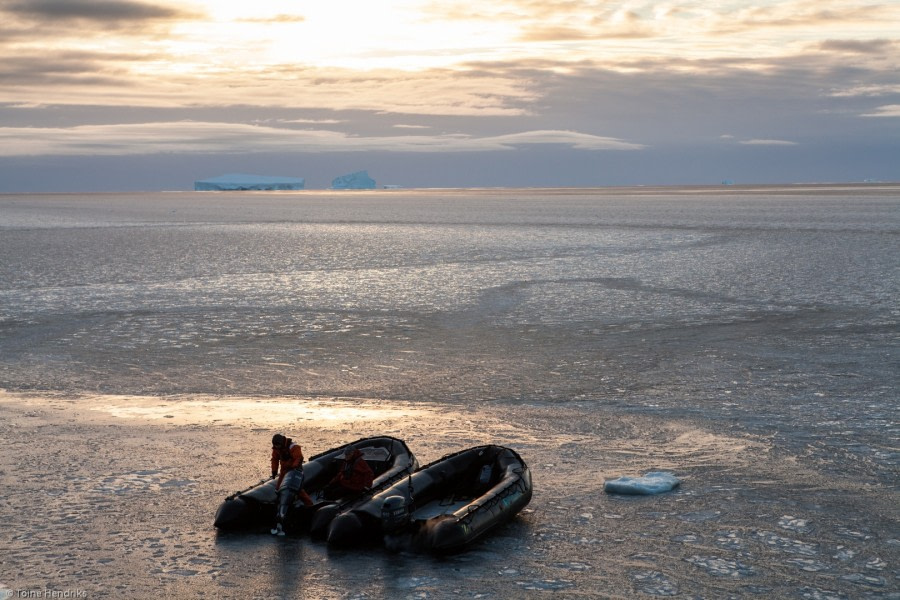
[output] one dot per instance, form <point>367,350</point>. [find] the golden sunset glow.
<point>169,53</point>
<point>409,34</point>
<point>394,34</point>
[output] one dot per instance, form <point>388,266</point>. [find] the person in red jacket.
<point>354,476</point>
<point>287,456</point>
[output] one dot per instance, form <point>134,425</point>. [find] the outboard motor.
<point>394,514</point>
<point>290,485</point>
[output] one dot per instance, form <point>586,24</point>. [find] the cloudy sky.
<point>151,95</point>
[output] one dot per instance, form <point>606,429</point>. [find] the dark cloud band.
<point>92,10</point>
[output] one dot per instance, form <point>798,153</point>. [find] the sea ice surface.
<point>655,482</point>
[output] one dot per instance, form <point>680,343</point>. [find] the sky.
<point>122,95</point>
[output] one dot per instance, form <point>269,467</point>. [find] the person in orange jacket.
<point>287,455</point>
<point>354,476</point>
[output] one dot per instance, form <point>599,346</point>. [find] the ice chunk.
<point>359,180</point>
<point>242,181</point>
<point>655,482</point>
<point>654,583</point>
<point>722,567</point>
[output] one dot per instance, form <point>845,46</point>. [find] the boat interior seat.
<point>379,458</point>
<point>477,479</point>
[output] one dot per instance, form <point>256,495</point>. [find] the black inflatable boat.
<point>255,507</point>
<point>443,506</point>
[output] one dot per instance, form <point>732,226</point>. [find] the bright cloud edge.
<point>196,137</point>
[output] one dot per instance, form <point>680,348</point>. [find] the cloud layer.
<point>214,77</point>
<point>225,138</point>
<point>103,12</point>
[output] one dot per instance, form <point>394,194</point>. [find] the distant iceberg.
<point>242,181</point>
<point>353,181</point>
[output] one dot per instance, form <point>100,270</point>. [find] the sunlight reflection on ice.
<point>331,413</point>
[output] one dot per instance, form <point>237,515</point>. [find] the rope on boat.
<point>511,490</point>
<point>409,482</point>
<point>236,494</point>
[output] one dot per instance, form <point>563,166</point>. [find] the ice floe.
<point>655,482</point>
<point>654,583</point>
<point>721,567</point>
<point>809,593</point>
<point>776,542</point>
<point>794,524</point>
<point>546,585</point>
<point>809,565</point>
<point>861,579</point>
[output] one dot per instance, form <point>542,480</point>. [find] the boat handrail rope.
<point>409,481</point>
<point>495,499</point>
<point>238,493</point>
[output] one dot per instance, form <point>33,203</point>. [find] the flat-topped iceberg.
<point>359,180</point>
<point>242,181</point>
<point>655,482</point>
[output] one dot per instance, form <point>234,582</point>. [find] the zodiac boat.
<point>255,507</point>
<point>443,506</point>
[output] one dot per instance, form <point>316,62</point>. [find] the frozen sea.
<point>743,338</point>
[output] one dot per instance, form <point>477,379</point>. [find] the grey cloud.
<point>767,143</point>
<point>889,110</point>
<point>439,92</point>
<point>858,46</point>
<point>103,11</point>
<point>646,100</point>
<point>867,90</point>
<point>63,68</point>
<point>310,121</point>
<point>666,103</point>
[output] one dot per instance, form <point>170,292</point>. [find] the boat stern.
<point>233,513</point>
<point>445,535</point>
<point>345,530</point>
